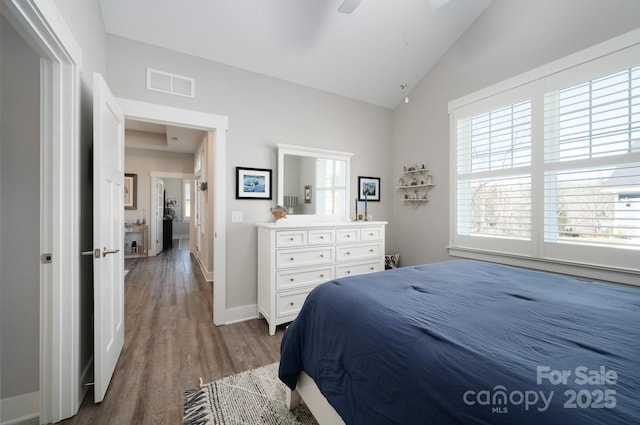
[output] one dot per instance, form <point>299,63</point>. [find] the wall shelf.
<point>415,184</point>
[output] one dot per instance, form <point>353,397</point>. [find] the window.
<point>331,187</point>
<point>186,200</point>
<point>550,169</point>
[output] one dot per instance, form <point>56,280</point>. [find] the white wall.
<point>262,112</point>
<point>509,38</point>
<point>20,212</point>
<point>173,188</point>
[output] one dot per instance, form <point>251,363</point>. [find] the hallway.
<point>171,342</point>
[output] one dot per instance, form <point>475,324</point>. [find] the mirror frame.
<point>284,149</point>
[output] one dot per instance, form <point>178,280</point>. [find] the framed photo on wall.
<point>130,191</point>
<point>369,186</point>
<point>253,183</point>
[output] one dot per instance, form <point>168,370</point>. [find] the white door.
<point>108,234</point>
<point>159,215</point>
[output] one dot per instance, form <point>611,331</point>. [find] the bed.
<point>467,342</point>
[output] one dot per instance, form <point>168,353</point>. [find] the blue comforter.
<point>469,342</point>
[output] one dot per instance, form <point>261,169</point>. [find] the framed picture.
<point>173,202</point>
<point>253,183</point>
<point>307,194</point>
<point>130,191</point>
<point>369,186</point>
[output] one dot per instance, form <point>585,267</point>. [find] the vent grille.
<point>166,82</point>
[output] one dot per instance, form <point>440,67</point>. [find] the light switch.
<point>237,216</point>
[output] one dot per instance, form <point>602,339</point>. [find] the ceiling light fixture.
<point>405,46</point>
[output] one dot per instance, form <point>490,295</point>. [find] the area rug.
<point>254,397</point>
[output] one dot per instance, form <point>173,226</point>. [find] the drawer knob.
<point>348,271</point>
<point>370,234</point>
<point>321,275</point>
<point>372,268</point>
<point>291,258</point>
<point>290,303</point>
<point>371,250</point>
<point>321,255</point>
<point>348,253</point>
<point>321,237</point>
<point>291,279</point>
<point>348,236</point>
<point>291,239</point>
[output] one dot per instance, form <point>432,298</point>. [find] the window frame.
<point>595,262</point>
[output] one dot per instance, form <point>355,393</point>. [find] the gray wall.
<point>509,38</point>
<point>20,215</point>
<point>262,112</point>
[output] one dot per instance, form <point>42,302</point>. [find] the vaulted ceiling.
<point>364,55</point>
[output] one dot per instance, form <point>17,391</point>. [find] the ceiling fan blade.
<point>349,6</point>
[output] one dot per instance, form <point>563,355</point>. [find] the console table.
<point>138,233</point>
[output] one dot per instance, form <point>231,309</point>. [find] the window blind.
<point>494,177</point>
<point>592,193</point>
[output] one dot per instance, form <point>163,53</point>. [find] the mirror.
<point>314,181</point>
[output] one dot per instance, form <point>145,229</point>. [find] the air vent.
<point>170,83</point>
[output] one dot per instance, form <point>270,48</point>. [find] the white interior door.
<point>159,215</point>
<point>108,234</point>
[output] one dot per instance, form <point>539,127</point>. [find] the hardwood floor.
<point>171,342</point>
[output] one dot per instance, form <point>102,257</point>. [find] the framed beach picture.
<point>368,188</point>
<point>130,191</point>
<point>253,183</point>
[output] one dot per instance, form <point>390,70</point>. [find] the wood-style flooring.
<point>171,342</point>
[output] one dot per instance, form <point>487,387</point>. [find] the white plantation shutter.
<point>592,192</point>
<point>553,175</point>
<point>493,181</point>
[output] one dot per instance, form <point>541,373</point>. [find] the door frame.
<point>216,170</point>
<point>155,175</point>
<point>41,25</point>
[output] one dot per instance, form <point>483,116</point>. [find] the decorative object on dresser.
<point>279,212</point>
<point>253,183</point>
<point>415,184</point>
<point>295,258</point>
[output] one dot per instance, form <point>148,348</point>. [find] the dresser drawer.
<point>290,303</point>
<point>348,235</point>
<point>290,279</point>
<point>285,239</point>
<point>287,258</point>
<point>321,237</point>
<point>344,270</point>
<point>357,252</point>
<point>370,234</point>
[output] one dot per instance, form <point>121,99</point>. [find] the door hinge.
<point>46,258</point>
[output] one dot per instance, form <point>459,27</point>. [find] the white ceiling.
<point>360,55</point>
<point>145,135</point>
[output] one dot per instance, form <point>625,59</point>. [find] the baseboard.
<point>20,408</point>
<point>208,276</point>
<point>240,314</point>
<point>181,236</point>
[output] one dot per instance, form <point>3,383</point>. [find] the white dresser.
<point>295,258</point>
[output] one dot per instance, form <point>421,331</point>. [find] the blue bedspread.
<point>469,342</point>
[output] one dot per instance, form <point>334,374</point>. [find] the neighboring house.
<point>509,38</point>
